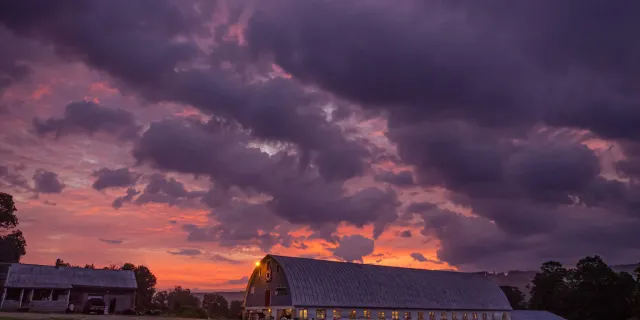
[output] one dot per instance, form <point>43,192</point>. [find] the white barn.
<point>318,289</point>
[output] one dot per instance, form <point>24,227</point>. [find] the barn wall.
<point>258,286</point>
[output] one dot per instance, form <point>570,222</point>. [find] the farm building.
<point>55,289</point>
<point>317,289</point>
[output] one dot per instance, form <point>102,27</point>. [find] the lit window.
<point>395,315</point>
<point>407,315</point>
<point>454,316</point>
<point>304,314</point>
<point>353,314</point>
<point>420,315</point>
<point>367,314</point>
<point>475,316</point>
<point>465,316</point>
<point>321,314</point>
<point>337,313</point>
<point>443,316</point>
<point>432,316</point>
<point>381,315</point>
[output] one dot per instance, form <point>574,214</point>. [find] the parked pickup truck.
<point>94,305</point>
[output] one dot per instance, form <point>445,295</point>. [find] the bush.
<point>193,312</point>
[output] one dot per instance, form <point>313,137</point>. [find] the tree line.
<point>591,290</point>
<point>177,301</point>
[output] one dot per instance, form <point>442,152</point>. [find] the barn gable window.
<point>395,315</point>
<point>304,314</point>
<point>281,291</point>
<point>321,314</point>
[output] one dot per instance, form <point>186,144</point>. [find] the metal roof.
<point>534,315</point>
<point>38,276</point>
<point>316,283</point>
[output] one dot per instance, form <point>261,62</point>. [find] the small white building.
<point>29,287</point>
<point>288,287</point>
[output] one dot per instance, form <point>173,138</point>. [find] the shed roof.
<point>340,284</point>
<point>534,315</point>
<point>38,276</point>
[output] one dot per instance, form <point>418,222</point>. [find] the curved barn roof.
<point>340,284</point>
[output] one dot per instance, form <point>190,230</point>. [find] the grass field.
<point>45,316</point>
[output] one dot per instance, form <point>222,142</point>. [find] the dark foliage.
<point>515,296</point>
<point>12,243</point>
<point>590,291</point>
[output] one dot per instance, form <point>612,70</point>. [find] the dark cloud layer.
<point>468,86</point>
<point>353,248</point>
<point>476,94</point>
<point>47,182</point>
<point>107,178</point>
<point>299,198</point>
<point>146,59</point>
<point>89,117</point>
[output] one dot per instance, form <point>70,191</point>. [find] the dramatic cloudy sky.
<point>196,136</point>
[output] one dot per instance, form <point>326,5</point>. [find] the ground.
<point>45,316</point>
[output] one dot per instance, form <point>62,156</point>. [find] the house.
<point>288,287</point>
<point>41,288</point>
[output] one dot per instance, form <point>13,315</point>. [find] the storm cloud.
<point>47,182</point>
<point>498,104</point>
<point>89,117</point>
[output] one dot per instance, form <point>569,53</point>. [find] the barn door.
<point>267,298</point>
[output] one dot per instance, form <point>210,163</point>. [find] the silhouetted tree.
<point>635,299</point>
<point>89,266</point>
<point>180,302</point>
<point>598,292</point>
<point>549,289</point>
<point>146,281</point>
<point>216,305</point>
<point>235,309</point>
<point>12,243</point>
<point>515,297</point>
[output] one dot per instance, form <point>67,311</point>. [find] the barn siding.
<point>260,285</point>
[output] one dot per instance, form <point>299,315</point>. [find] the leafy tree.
<point>598,292</point>
<point>146,281</point>
<point>635,299</point>
<point>515,297</point>
<point>12,243</point>
<point>549,289</point>
<point>235,309</point>
<point>216,305</point>
<point>180,302</point>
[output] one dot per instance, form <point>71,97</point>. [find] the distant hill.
<point>521,279</point>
